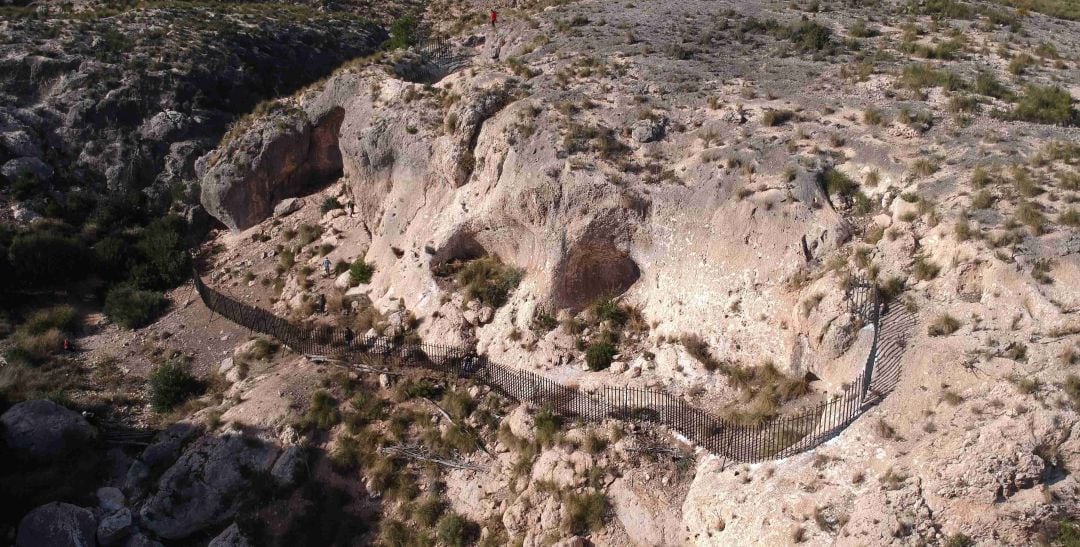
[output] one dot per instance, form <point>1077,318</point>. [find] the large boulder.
<point>206,485</point>
<point>57,524</point>
<point>42,430</point>
<point>230,537</point>
<point>284,154</point>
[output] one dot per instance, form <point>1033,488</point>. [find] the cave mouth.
<point>593,271</point>
<point>461,247</point>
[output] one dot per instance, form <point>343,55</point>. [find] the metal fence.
<point>745,442</point>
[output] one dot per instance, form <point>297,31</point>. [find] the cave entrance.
<point>593,271</point>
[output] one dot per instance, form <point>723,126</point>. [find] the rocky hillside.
<point>127,99</point>
<point>672,196</point>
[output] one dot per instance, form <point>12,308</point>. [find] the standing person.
<point>348,337</point>
<point>494,16</point>
<point>321,303</point>
<point>326,266</point>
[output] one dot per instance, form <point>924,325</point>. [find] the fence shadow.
<point>777,438</point>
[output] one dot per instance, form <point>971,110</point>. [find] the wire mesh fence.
<point>779,437</point>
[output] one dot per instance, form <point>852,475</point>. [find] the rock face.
<point>205,485</point>
<point>129,101</point>
<point>57,525</point>
<point>43,430</point>
<point>285,154</point>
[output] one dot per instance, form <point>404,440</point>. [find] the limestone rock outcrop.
<point>41,430</point>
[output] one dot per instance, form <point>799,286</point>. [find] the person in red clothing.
<point>494,15</point>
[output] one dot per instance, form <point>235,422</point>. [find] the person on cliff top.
<point>494,16</point>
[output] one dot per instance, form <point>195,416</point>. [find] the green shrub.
<point>133,308</point>
<point>323,412</point>
<point>170,385</point>
<point>599,355</point>
<point>809,36</point>
<point>944,325</point>
<point>773,118</point>
<point>403,33</point>
<point>427,511</point>
<point>1046,104</point>
<point>457,531</point>
<point>459,404</point>
<point>308,233</point>
<point>836,183</point>
<point>547,425</point>
<point>329,204</point>
<point>586,513</point>
<point>62,318</point>
<point>163,246</point>
<point>987,84</point>
<point>360,271</point>
<point>44,259</point>
<point>488,280</point>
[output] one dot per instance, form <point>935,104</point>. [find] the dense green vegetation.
<point>133,308</point>
<point>170,385</point>
<point>1046,104</point>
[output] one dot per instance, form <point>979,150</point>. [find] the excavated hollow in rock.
<point>593,270</point>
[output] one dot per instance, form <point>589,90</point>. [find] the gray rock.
<point>137,539</point>
<point>205,486</point>
<point>226,365</point>
<point>168,125</point>
<point>23,215</point>
<point>114,527</point>
<point>19,144</point>
<point>110,499</point>
<point>44,431</point>
<point>286,154</point>
<point>230,537</point>
<point>27,166</point>
<point>288,206</point>
<point>647,130</point>
<point>167,446</point>
<point>287,468</point>
<point>57,524</point>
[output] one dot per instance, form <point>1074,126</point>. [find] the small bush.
<point>586,513</point>
<point>547,425</point>
<point>1046,104</point>
<point>62,318</point>
<point>1069,218</point>
<point>360,271</point>
<point>457,531</point>
<point>403,33</point>
<point>599,355</point>
<point>944,325</point>
<point>1072,389</point>
<point>924,269</point>
<point>323,412</point>
<point>987,84</point>
<point>1028,213</point>
<point>132,308</point>
<point>836,183</point>
<point>607,309</point>
<point>329,204</point>
<point>170,385</point>
<point>773,118</point>
<point>488,280</point>
<point>427,511</point>
<point>809,36</point>
<point>873,116</point>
